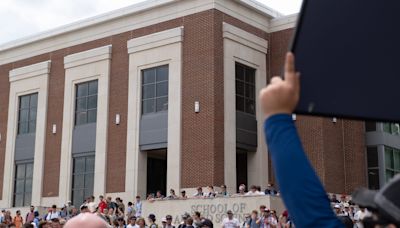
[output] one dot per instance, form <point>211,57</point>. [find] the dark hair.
<point>28,225</point>
<point>130,203</point>
<point>197,213</point>
<point>54,206</point>
<point>189,221</point>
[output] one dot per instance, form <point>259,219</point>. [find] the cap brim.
<point>364,198</point>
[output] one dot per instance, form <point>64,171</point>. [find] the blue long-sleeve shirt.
<point>301,189</point>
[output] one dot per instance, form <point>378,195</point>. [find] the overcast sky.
<point>20,18</point>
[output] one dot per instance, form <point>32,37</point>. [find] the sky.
<point>21,18</point>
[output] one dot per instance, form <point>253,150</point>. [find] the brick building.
<point>154,96</point>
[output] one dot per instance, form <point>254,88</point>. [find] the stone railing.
<point>212,208</point>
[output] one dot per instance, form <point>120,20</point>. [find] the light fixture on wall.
<point>334,120</point>
<point>54,130</point>
<point>117,119</point>
<point>294,117</point>
<point>196,107</point>
<point>0,137</point>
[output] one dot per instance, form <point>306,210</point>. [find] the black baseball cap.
<point>386,201</point>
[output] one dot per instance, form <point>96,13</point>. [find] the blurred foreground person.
<point>291,166</point>
<point>86,220</point>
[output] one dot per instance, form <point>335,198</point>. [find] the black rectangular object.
<point>348,53</point>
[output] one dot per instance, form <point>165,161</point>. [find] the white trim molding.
<point>249,50</point>
<point>162,48</point>
<point>81,67</point>
<point>26,80</point>
<point>130,18</point>
<point>283,23</point>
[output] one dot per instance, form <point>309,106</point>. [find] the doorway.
<point>156,171</point>
<point>241,167</point>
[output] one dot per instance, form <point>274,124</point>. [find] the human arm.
<point>291,166</point>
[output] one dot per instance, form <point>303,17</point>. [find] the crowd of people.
<point>211,193</point>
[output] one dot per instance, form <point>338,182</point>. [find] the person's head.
<point>54,208</point>
<point>185,216</point>
<point>172,191</point>
<point>230,214</point>
<point>343,197</point>
<point>84,209</point>
<point>262,208</point>
<point>120,221</point>
<point>132,220</point>
<point>109,199</point>
<point>164,221</point>
<point>105,211</point>
<point>74,211</point>
<point>111,211</point>
<point>254,214</point>
<point>189,221</point>
<point>18,212</point>
<point>28,225</point>
<point>183,193</point>
<point>346,207</point>
<point>199,189</point>
<point>223,188</point>
<point>141,222</point>
<point>101,198</point>
<point>273,213</point>
<point>130,204</point>
<point>137,198</point>
<point>158,193</point>
<point>32,208</point>
<point>118,200</point>
<point>242,188</point>
<point>337,208</point>
<point>152,218</point>
<point>196,215</point>
<point>206,223</point>
<point>169,219</point>
<point>210,188</point>
<point>86,220</point>
<point>253,188</point>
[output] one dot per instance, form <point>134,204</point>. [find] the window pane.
<point>23,127</point>
<point>239,71</point>
<point>373,179</point>
<point>79,181</point>
<point>394,128</point>
<point>34,99</point>
<point>250,93</point>
<point>389,175</point>
<point>162,104</point>
<point>372,156</point>
<point>148,76</point>
<point>397,160</point>
<point>162,89</point>
<point>24,115</point>
<point>148,106</point>
<point>32,126</point>
<point>93,87</point>
<point>79,165</point>
<point>389,157</point>
<point>386,127</point>
<point>250,107</point>
<point>239,104</point>
<point>250,75</point>
<point>77,197</point>
<point>89,164</point>
<point>28,185</point>
<point>20,171</point>
<point>32,114</point>
<point>82,90</point>
<point>89,181</point>
<point>19,186</point>
<point>81,104</point>
<point>24,102</point>
<point>148,91</point>
<point>88,192</point>
<point>162,73</point>
<point>81,118</point>
<point>92,102</point>
<point>28,199</point>
<point>18,200</point>
<point>239,88</point>
<point>29,170</point>
<point>92,116</point>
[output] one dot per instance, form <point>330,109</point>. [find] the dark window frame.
<point>153,99</point>
<point>86,174</point>
<point>85,97</point>
<point>27,176</point>
<point>30,123</point>
<point>248,84</point>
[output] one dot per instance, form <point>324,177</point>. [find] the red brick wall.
<point>336,150</point>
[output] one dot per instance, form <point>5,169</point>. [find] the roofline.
<point>115,14</point>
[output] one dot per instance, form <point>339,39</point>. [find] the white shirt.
<point>359,216</point>
<point>234,223</point>
<point>130,226</point>
<point>52,215</point>
<point>92,206</point>
<point>138,209</point>
<point>256,193</point>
